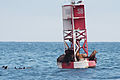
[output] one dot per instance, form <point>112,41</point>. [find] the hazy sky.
<point>41,20</point>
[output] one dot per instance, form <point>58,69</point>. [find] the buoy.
<point>75,38</point>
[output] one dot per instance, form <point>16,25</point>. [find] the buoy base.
<point>78,64</point>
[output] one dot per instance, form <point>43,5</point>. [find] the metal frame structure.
<point>75,34</point>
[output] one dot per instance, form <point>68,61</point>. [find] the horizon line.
<point>45,41</point>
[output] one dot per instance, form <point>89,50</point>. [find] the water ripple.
<point>41,57</point>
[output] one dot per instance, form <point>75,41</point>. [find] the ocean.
<point>39,60</point>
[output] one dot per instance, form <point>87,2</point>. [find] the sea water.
<point>41,58</point>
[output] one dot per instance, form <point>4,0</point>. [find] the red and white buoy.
<point>75,35</point>
<point>78,64</point>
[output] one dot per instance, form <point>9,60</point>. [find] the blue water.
<point>41,57</point>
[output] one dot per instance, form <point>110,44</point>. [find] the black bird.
<point>73,2</point>
<point>3,66</point>
<point>6,67</point>
<point>79,2</point>
<point>23,67</point>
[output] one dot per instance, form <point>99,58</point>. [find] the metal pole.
<point>74,35</point>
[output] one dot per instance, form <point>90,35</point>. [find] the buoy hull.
<point>79,64</point>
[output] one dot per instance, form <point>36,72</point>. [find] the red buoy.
<point>75,37</point>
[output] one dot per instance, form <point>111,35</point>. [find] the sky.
<point>41,20</point>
